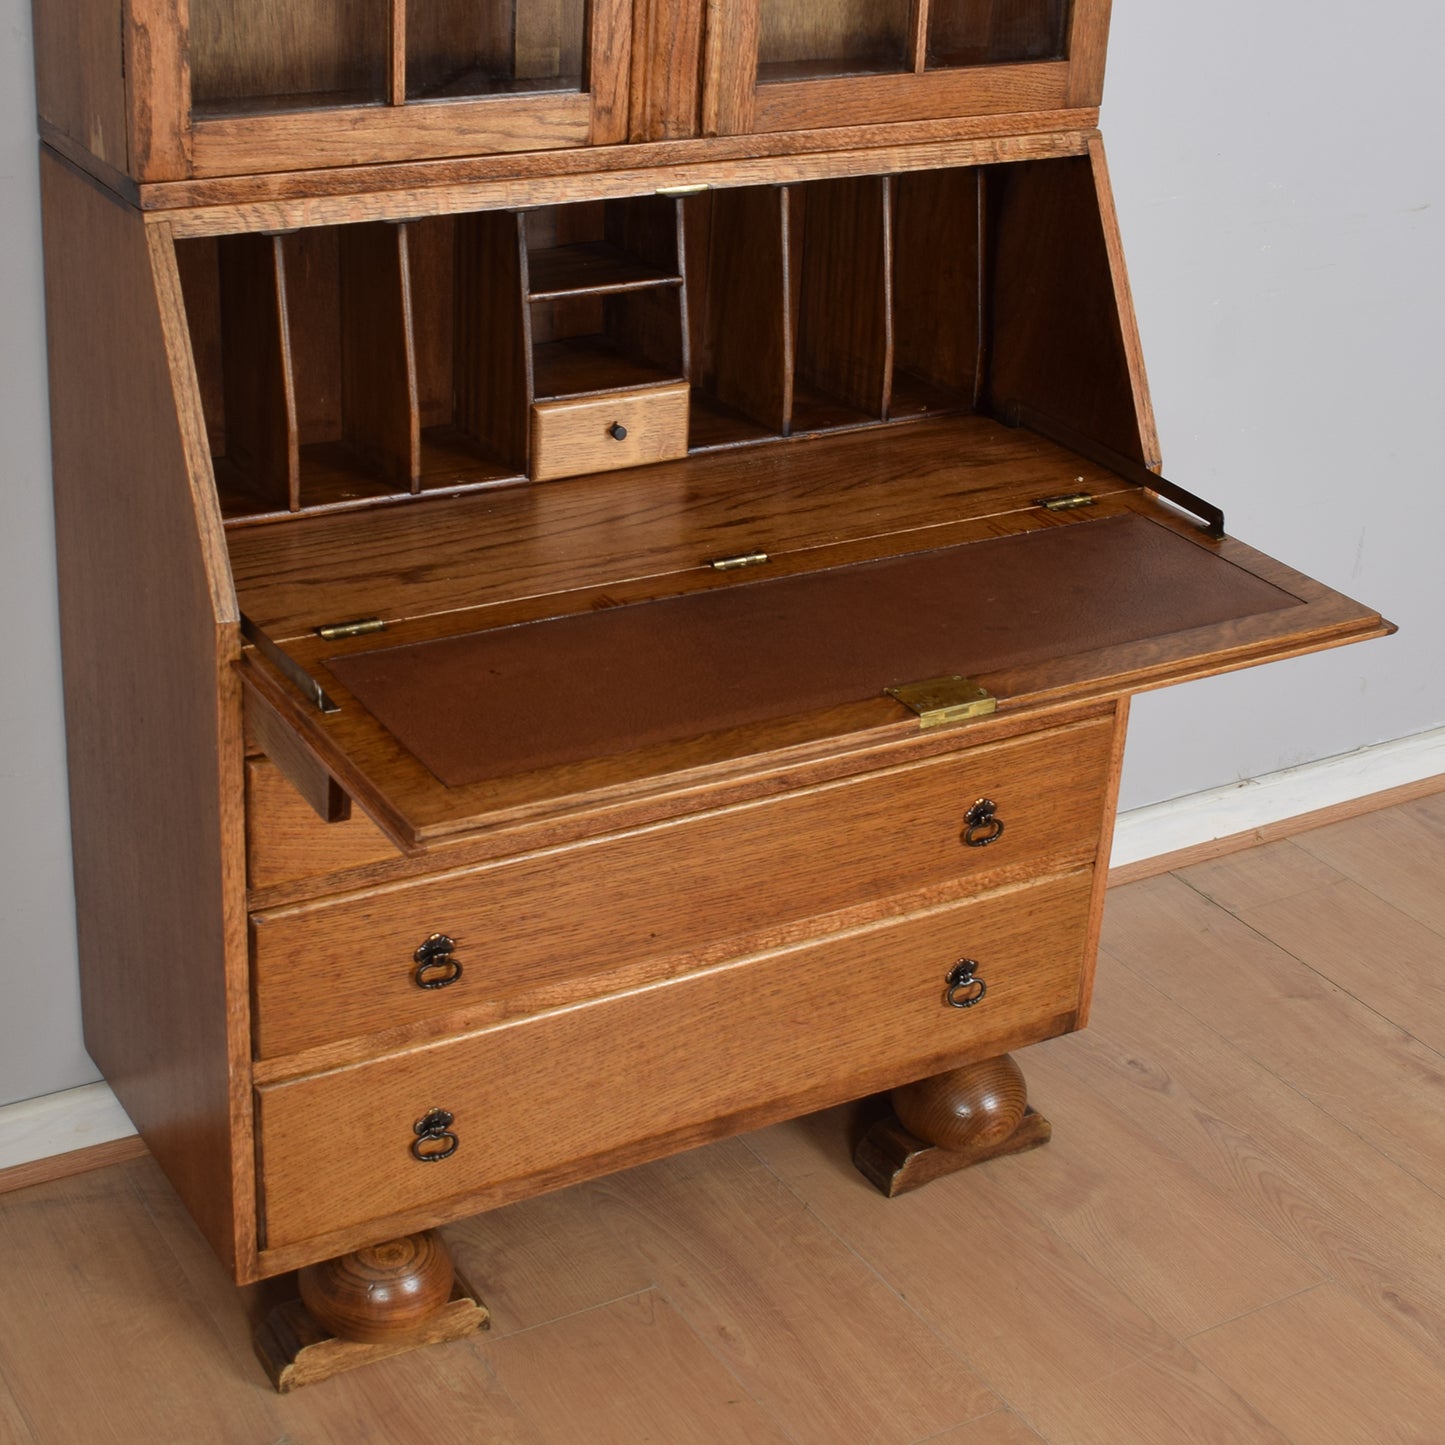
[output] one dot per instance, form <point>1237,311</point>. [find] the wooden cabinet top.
<point>154,92</point>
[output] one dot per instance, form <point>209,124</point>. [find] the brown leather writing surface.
<point>557,691</point>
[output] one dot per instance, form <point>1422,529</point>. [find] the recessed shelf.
<point>586,365</point>
<point>594,268</point>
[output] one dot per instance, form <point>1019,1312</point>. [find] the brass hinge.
<point>743,559</point>
<point>939,700</point>
<point>361,627</point>
<point>1065,501</point>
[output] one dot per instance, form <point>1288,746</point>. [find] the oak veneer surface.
<point>615,901</point>
<point>155,771</point>
<point>626,1072</point>
<point>709,1280</point>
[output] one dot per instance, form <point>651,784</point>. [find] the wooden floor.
<point>1237,1235</point>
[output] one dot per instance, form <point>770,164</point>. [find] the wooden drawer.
<point>636,1075</point>
<point>565,924</point>
<point>573,437</point>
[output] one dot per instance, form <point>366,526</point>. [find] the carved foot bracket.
<point>951,1122</point>
<point>377,1302</point>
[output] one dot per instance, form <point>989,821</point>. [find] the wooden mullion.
<point>730,66</point>
<point>609,69</point>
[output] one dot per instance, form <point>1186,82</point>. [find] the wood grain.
<point>666,89</point>
<point>1312,1182</point>
<point>577,436</point>
<point>677,1390</point>
<point>80,77</point>
<point>73,1161</point>
<point>789,858</point>
<point>395,191</point>
<point>845,324</point>
<point>637,1077</point>
<point>152,712</point>
<point>1277,1007</point>
<point>1059,337</point>
<point>690,1224</point>
<point>286,836</point>
<point>748,331</point>
<point>271,51</point>
<point>1322,1357</point>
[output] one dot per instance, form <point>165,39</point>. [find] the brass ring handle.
<point>964,989</point>
<point>435,966</point>
<point>434,1128</point>
<point>982,825</point>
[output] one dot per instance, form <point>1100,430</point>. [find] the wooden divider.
<point>260,464</point>
<point>844,350</point>
<point>938,292</point>
<point>343,365</point>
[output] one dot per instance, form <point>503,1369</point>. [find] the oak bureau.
<point>605,546</point>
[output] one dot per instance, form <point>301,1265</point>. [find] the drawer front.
<point>603,433</point>
<point>573,923</point>
<point>640,1074</point>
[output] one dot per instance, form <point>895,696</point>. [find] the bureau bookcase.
<point>604,547</point>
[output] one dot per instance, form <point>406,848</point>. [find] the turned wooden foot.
<point>950,1122</point>
<point>368,1305</point>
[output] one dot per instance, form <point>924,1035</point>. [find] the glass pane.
<point>802,39</point>
<point>493,47</point>
<point>299,55</point>
<point>993,32</point>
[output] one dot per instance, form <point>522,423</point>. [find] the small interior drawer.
<point>574,436</point>
<point>572,923</point>
<point>625,1078</point>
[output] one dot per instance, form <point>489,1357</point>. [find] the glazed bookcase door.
<point>275,85</point>
<point>799,64</point>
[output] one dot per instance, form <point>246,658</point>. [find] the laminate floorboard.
<point>1236,1236</point>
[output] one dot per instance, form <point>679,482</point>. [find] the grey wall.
<point>1278,178</point>
<point>1279,200</point>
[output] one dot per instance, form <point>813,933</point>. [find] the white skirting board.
<point>79,1118</point>
<point>60,1123</point>
<point>1187,822</point>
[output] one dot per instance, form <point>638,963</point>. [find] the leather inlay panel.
<point>564,689</point>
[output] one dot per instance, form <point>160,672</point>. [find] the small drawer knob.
<point>982,825</point>
<point>435,966</point>
<point>434,1140</point>
<point>617,432</point>
<point>964,987</point>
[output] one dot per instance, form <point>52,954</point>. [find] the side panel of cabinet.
<point>1065,342</point>
<point>79,71</point>
<point>148,629</point>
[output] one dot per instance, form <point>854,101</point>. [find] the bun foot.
<point>950,1122</point>
<point>377,1302</point>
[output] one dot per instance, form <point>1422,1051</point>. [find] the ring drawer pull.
<point>435,966</point>
<point>432,1129</point>
<point>981,825</point>
<point>964,989</point>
